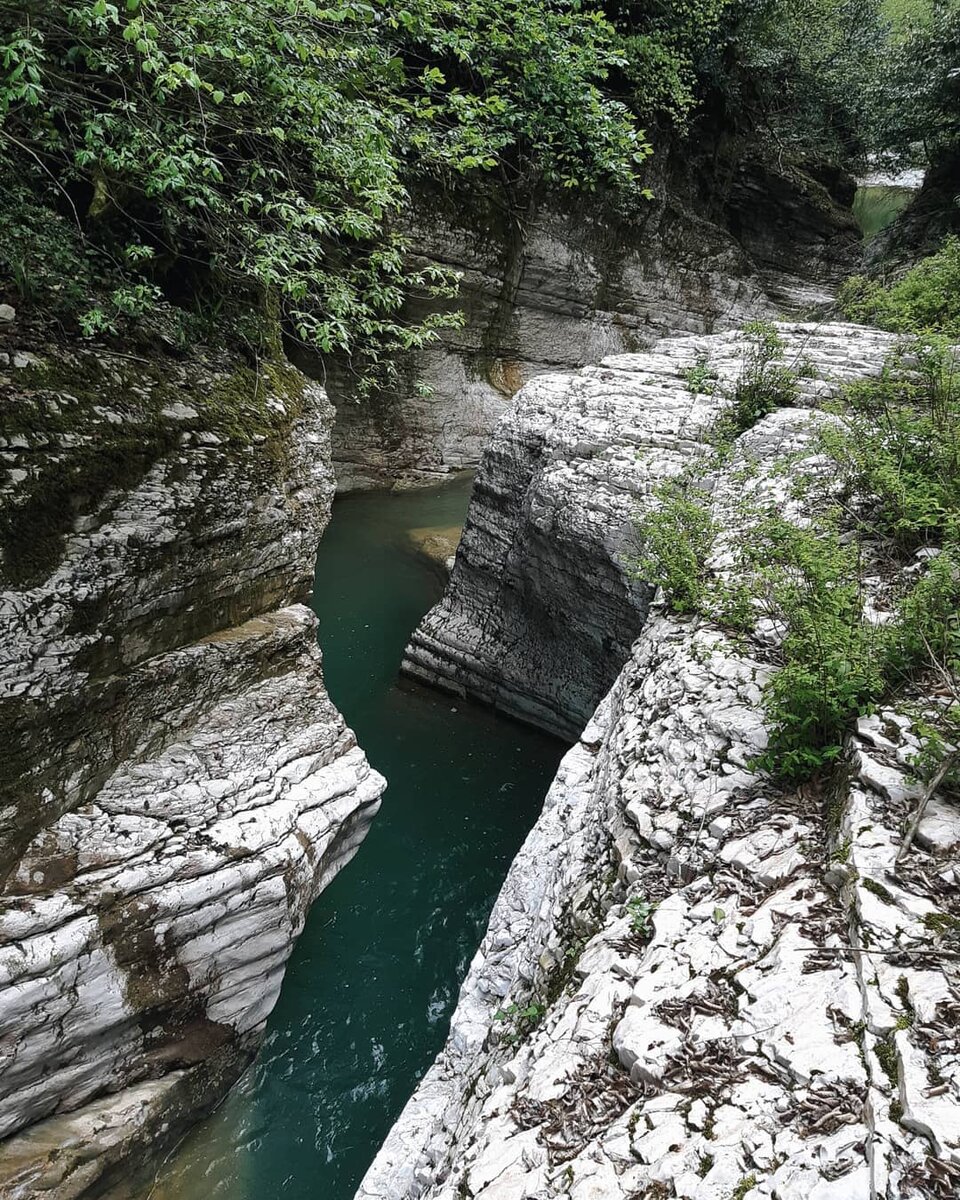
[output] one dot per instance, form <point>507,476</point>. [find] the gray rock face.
<point>551,289</point>
<point>541,611</point>
<point>733,1043</point>
<point>177,786</point>
<point>694,983</point>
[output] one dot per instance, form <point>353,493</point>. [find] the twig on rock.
<point>945,767</point>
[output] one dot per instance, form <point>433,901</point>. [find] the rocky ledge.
<point>567,282</point>
<point>177,787</point>
<point>541,610</point>
<point>695,983</point>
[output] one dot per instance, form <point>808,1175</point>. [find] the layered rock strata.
<point>177,786</point>
<point>696,983</point>
<point>552,287</point>
<point>542,608</point>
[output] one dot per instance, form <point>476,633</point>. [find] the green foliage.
<point>885,1050</point>
<point>665,48</point>
<point>928,631</point>
<point>764,384</point>
<point>746,1184</point>
<point>895,448</point>
<point>641,913</point>
<point>701,379</point>
<point>944,925</point>
<point>260,151</point>
<point>938,730</point>
<point>519,1020</point>
<point>897,454</point>
<point>248,163</point>
<point>926,298</point>
<point>798,77</point>
<point>807,581</point>
<point>677,536</point>
<point>917,113</point>
<point>900,445</point>
<point>899,450</point>
<point>902,14</point>
<point>675,540</point>
<point>807,74</point>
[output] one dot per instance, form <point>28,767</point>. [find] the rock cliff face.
<point>552,288</point>
<point>541,611</point>
<point>177,787</point>
<point>694,983</point>
<point>921,228</point>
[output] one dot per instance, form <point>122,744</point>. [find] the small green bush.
<point>641,913</point>
<point>807,580</point>
<point>519,1020</point>
<point>702,378</point>
<point>926,298</point>
<point>899,446</point>
<point>746,1184</point>
<point>928,631</point>
<point>765,384</point>
<point>675,540</point>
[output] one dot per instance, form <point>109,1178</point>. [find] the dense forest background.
<point>232,168</point>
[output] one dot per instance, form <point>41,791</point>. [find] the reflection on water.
<point>373,979</point>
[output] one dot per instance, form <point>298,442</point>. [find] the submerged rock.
<point>177,787</point>
<point>438,544</point>
<point>694,983</point>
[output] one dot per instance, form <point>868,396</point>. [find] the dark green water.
<point>370,987</point>
<point>874,208</point>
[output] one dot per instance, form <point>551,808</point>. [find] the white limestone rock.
<point>541,610</point>
<point>737,1038</point>
<point>563,286</point>
<point>177,787</point>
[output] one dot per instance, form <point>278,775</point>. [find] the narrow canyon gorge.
<point>479,590</point>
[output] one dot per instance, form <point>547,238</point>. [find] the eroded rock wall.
<point>551,288</point>
<point>178,787</point>
<point>541,609</point>
<point>734,1043</point>
<point>694,983</point>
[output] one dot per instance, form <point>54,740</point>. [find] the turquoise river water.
<point>372,982</point>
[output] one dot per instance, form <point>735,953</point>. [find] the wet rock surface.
<point>179,787</point>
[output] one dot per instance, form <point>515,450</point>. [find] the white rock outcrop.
<point>694,983</point>
<point>177,786</point>
<point>541,610</point>
<point>559,285</point>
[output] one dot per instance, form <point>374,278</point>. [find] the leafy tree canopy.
<point>805,74</point>
<point>254,154</point>
<point>919,110</point>
<point>243,159</point>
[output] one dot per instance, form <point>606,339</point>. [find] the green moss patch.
<point>94,426</point>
